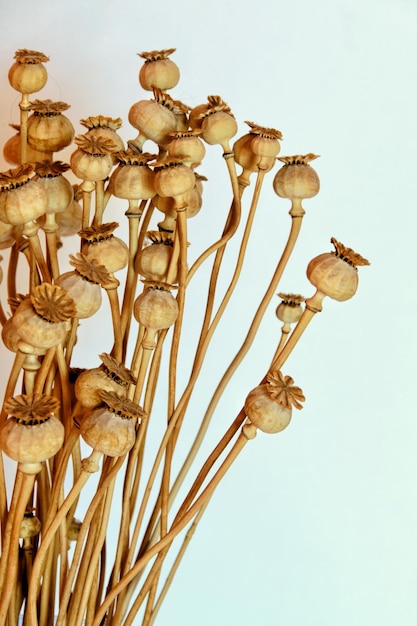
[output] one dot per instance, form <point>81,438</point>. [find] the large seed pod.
<point>154,121</point>
<point>133,179</point>
<point>93,159</point>
<point>12,150</point>
<point>335,274</point>
<point>31,434</point>
<point>49,130</point>
<point>158,70</point>
<point>153,261</point>
<point>109,376</point>
<point>188,146</point>
<point>22,199</point>
<point>156,308</point>
<point>104,128</point>
<point>218,123</point>
<point>28,74</point>
<point>104,248</point>
<point>41,319</point>
<point>269,406</point>
<point>173,179</point>
<point>58,188</point>
<point>296,180</point>
<point>110,428</point>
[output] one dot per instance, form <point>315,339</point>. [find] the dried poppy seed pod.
<point>12,150</point>
<point>49,130</point>
<point>83,285</point>
<point>110,428</point>
<point>218,123</point>
<point>133,179</point>
<point>28,74</point>
<point>335,274</point>
<point>22,199</point>
<point>173,179</point>
<point>158,70</point>
<point>152,261</point>
<point>269,406</point>
<point>58,188</point>
<point>265,145</point>
<point>155,309</point>
<point>296,180</point>
<point>154,119</point>
<point>93,159</point>
<point>289,310</point>
<point>103,247</point>
<point>41,319</point>
<point>31,434</point>
<point>30,526</point>
<point>105,128</point>
<point>187,143</point>
<point>109,376</point>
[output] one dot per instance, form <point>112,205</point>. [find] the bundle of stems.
<point>61,423</point>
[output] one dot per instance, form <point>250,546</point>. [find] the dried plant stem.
<point>9,560</point>
<point>111,291</point>
<point>177,526</point>
<point>295,229</point>
<point>24,107</point>
<point>13,378</point>
<point>43,370</point>
<point>50,534</point>
<point>31,231</point>
<point>95,502</point>
<point>99,208</point>
<point>87,188</point>
<point>3,317</point>
<point>50,229</point>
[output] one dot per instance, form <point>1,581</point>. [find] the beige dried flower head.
<point>156,55</point>
<point>347,254</point>
<point>48,108</point>
<point>292,299</point>
<point>53,303</point>
<point>51,170</point>
<point>157,236</point>
<point>267,133</point>
<point>282,390</point>
<point>298,159</point>
<point>117,371</point>
<point>16,177</point>
<point>100,232</point>
<point>31,409</point>
<point>215,105</point>
<point>133,157</point>
<point>100,121</point>
<point>96,146</point>
<point>90,269</point>
<point>30,56</point>
<point>123,407</point>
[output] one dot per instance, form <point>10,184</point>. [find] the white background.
<point>317,525</point>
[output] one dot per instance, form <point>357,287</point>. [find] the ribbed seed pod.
<point>269,406</point>
<point>133,179</point>
<point>12,150</point>
<point>22,199</point>
<point>290,310</point>
<point>49,130</point>
<point>28,74</point>
<point>296,180</point>
<point>156,308</point>
<point>31,434</point>
<point>106,128</point>
<point>110,428</point>
<point>103,247</point>
<point>335,274</point>
<point>152,261</point>
<point>93,159</point>
<point>58,188</point>
<point>218,124</point>
<point>154,119</point>
<point>109,376</point>
<point>188,146</point>
<point>158,70</point>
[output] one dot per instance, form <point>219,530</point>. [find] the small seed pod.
<point>110,428</point>
<point>103,247</point>
<point>154,119</point>
<point>158,70</point>
<point>187,143</point>
<point>152,261</point>
<point>297,180</point>
<point>41,319</point>
<point>269,406</point>
<point>49,130</point>
<point>31,434</point>
<point>290,310</point>
<point>22,198</point>
<point>156,309</point>
<point>105,128</point>
<point>133,179</point>
<point>173,179</point>
<point>93,159</point>
<point>58,188</point>
<point>12,150</point>
<point>83,285</point>
<point>109,376</point>
<point>28,74</point>
<point>218,124</point>
<point>30,526</point>
<point>335,274</point>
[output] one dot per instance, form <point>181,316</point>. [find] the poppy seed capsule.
<point>49,130</point>
<point>156,308</point>
<point>158,70</point>
<point>28,74</point>
<point>335,274</point>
